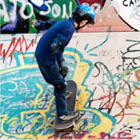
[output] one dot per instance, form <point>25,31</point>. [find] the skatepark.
<point>103,60</point>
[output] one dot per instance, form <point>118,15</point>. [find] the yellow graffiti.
<point>12,121</point>
<point>36,102</point>
<point>79,76</point>
<point>136,99</point>
<point>104,126</point>
<point>22,64</point>
<point>42,112</point>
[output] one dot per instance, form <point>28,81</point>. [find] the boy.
<point>49,55</point>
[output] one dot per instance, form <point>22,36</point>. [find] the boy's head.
<point>83,15</point>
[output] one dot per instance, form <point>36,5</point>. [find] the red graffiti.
<point>90,2</point>
<point>137,75</point>
<point>120,135</point>
<point>69,135</point>
<point>14,46</point>
<point>81,134</point>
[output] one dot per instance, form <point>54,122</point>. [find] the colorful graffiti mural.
<point>107,75</point>
<point>105,66</point>
<point>16,16</point>
<point>132,18</point>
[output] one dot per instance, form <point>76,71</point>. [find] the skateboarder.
<point>49,55</point>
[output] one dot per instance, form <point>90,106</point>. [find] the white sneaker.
<point>70,116</point>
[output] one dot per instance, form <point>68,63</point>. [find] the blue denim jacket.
<point>62,31</point>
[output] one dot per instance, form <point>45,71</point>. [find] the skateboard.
<point>71,92</point>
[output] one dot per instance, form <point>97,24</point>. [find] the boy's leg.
<point>52,76</point>
<point>59,84</point>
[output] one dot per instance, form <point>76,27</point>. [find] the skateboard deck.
<point>71,92</point>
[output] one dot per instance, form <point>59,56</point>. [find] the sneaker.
<point>70,116</point>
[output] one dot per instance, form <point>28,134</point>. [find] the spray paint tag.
<point>129,11</point>
<point>40,4</point>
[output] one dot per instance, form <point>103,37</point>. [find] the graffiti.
<point>14,12</point>
<point>95,4</point>
<point>116,89</point>
<point>16,45</point>
<point>108,79</point>
<point>17,15</point>
<point>121,135</point>
<point>116,84</point>
<point>30,107</point>
<point>129,2</point>
<point>132,51</point>
<point>39,4</point>
<point>101,2</point>
<point>5,13</point>
<point>28,110</point>
<point>132,16</point>
<point>55,10</point>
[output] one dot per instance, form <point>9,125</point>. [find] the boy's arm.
<point>43,25</point>
<point>61,40</point>
<point>58,49</point>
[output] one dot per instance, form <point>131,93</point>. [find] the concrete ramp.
<point>106,68</point>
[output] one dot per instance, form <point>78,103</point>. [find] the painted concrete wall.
<point>106,67</point>
<point>16,16</point>
<point>103,60</point>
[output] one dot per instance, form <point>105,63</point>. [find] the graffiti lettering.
<point>109,97</point>
<point>132,54</point>
<point>132,8</point>
<point>69,135</point>
<point>16,46</point>
<point>81,134</point>
<point>120,135</point>
<point>24,5</point>
<point>64,11</point>
<point>4,11</point>
<point>48,8</point>
<point>129,2</point>
<point>55,10</point>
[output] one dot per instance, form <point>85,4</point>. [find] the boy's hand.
<point>63,67</point>
<point>34,21</point>
<point>37,24</point>
<point>64,71</point>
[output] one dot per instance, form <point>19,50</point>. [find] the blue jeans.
<point>52,76</point>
